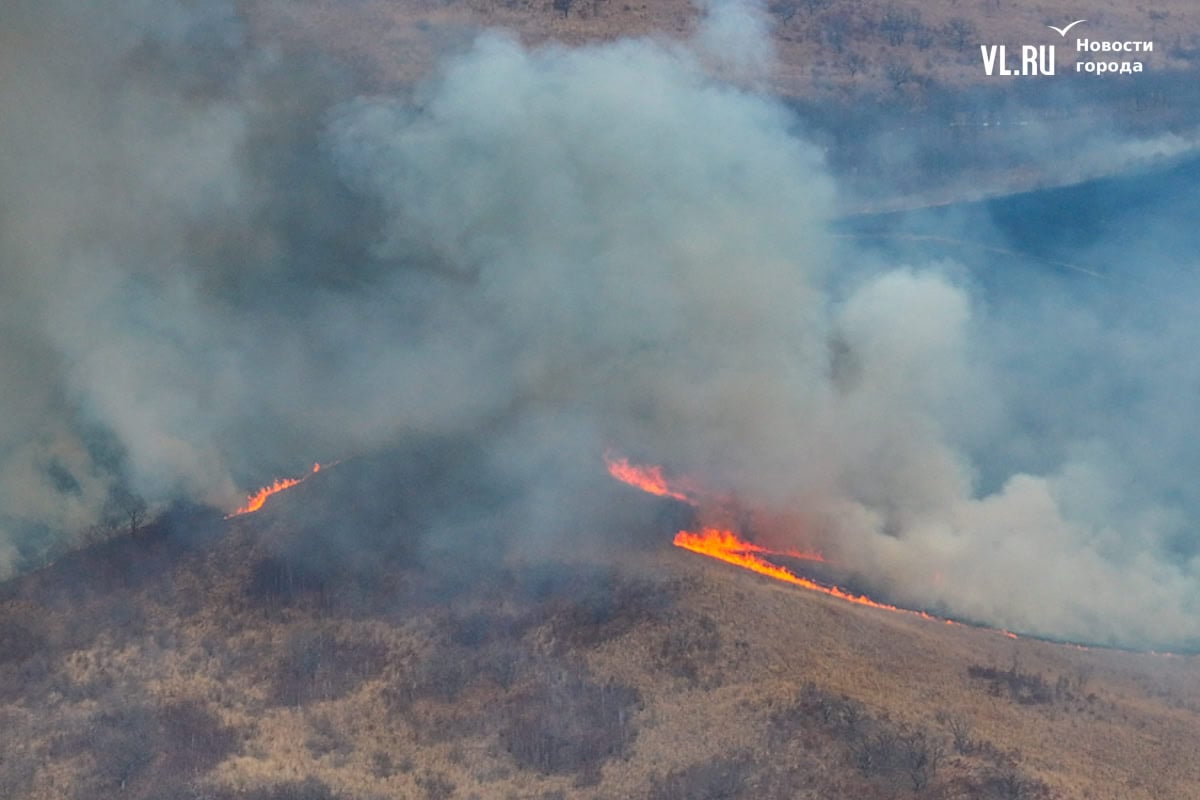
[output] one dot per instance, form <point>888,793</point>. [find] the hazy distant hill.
<point>312,651</point>
<point>821,46</point>
<point>895,92</point>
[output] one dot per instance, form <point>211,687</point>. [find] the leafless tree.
<point>898,22</point>
<point>1014,785</point>
<point>961,32</point>
<point>125,508</point>
<point>960,730</point>
<point>784,9</point>
<point>898,74</point>
<point>855,63</point>
<point>921,754</point>
<point>1083,674</point>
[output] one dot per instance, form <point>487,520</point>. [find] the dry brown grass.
<point>893,90</point>
<point>671,676</point>
<point>823,47</point>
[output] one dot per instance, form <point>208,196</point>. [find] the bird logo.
<point>1063,31</point>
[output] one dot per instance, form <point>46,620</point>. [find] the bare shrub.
<point>19,641</point>
<point>988,751</point>
<point>690,642</point>
<point>899,73</point>
<point>897,22</point>
<point>566,723</point>
<point>605,609</point>
<point>784,9</point>
<point>324,738</point>
<point>318,664</point>
<point>1011,784</point>
<point>961,32</point>
<point>126,508</point>
<point>382,765</point>
<point>276,582</point>
<point>960,731</point>
<point>478,628</point>
<point>307,789</point>
<point>30,678</point>
<point>134,748</point>
<point>921,754</point>
<point>838,714</point>
<point>876,753</point>
<point>435,786</point>
<point>1022,688</point>
<point>447,671</point>
<point>193,739</point>
<point>18,766</point>
<point>875,746</point>
<point>445,674</point>
<point>716,779</point>
<point>427,694</point>
<point>122,743</point>
<point>1083,674</point>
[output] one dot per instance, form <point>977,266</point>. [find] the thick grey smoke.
<point>217,265</point>
<point>170,239</point>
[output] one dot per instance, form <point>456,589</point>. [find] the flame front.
<point>718,540</point>
<point>726,546</point>
<point>255,501</point>
<point>648,479</point>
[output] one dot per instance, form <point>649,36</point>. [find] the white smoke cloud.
<point>734,37</point>
<point>648,246</point>
<point>224,266</point>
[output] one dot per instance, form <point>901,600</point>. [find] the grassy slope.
<point>822,46</point>
<point>149,670</point>
<point>658,674</point>
<point>895,96</point>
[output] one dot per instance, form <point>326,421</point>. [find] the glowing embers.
<point>255,501</point>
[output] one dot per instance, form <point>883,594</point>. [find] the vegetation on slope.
<point>214,660</point>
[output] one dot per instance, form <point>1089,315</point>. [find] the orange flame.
<point>726,546</point>
<point>728,542</point>
<point>648,479</point>
<point>255,501</point>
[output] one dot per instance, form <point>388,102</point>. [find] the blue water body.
<point>1118,227</point>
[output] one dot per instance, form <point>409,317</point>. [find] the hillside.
<point>321,649</point>
<point>504,281</point>
<point>822,47</point>
<point>894,92</point>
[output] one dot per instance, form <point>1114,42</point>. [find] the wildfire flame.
<point>648,479</point>
<point>725,545</point>
<point>711,540</point>
<point>255,501</point>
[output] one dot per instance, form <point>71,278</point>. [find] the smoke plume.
<point>220,265</point>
